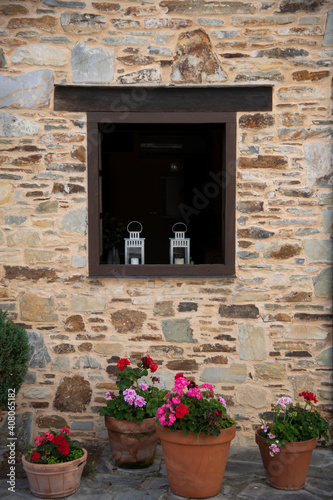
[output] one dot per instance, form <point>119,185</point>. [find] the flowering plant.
<point>293,422</point>
<point>53,448</point>
<point>196,410</point>
<point>136,400</point>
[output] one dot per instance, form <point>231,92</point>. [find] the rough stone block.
<point>31,90</point>
<point>177,330</point>
<point>37,309</point>
<point>41,55</point>
<point>82,24</point>
<point>252,342</point>
<point>323,283</point>
<point>15,126</point>
<point>85,303</point>
<point>236,373</point>
<point>318,249</point>
<point>319,161</point>
<point>92,64</point>
<point>73,395</point>
<point>253,396</point>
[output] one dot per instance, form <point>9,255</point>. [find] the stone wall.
<point>260,335</point>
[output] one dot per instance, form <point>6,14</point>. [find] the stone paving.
<point>244,479</point>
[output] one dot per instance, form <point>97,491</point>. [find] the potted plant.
<point>286,443</point>
<point>195,433</point>
<point>14,359</point>
<point>130,415</point>
<point>54,466</point>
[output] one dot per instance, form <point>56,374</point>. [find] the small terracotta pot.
<point>195,464</point>
<point>132,445</point>
<point>55,480</point>
<point>287,470</point>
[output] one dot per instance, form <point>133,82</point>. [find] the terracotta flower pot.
<point>55,480</point>
<point>287,470</point>
<point>195,464</point>
<point>132,445</point>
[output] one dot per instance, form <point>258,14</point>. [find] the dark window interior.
<point>161,174</point>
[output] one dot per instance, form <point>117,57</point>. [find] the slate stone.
<point>3,62</point>
<point>325,357</point>
<point>125,23</point>
<point>164,308</point>
<point>136,60</point>
<point>47,207</point>
<point>166,351</point>
<point>187,306</point>
<point>278,53</point>
<point>223,34</point>
<point>82,425</point>
<point>106,6</point>
<point>151,75</point>
<point>24,237</point>
<point>20,272</point>
<point>87,362</point>
<point>318,249</point>
<point>177,330</point>
<point>36,393</point>
<point>64,348</point>
<point>327,221</point>
<point>82,24</point>
<point>6,190</point>
<point>126,320</point>
<point>236,373</point>
<point>204,7</point>
<point>195,61</point>
<point>86,303</point>
<point>160,23</point>
<point>256,121</point>
<point>281,251</point>
<point>183,365</point>
<point>252,342</point>
<point>328,37</point>
<point>31,90</point>
<point>241,311</point>
<point>301,5</point>
<point>319,160</point>
<point>15,126</point>
<point>256,233</point>
<point>312,76</point>
<point>323,283</point>
<point>250,206</point>
<point>37,309</point>
<point>125,40</point>
<point>270,371</point>
<point>115,349</point>
<point>51,422</point>
<point>46,23</point>
<point>262,20</point>
<point>73,394</point>
<point>245,254</point>
<point>92,64</point>
<point>39,356</point>
<point>214,348</point>
<point>264,161</point>
<point>162,51</point>
<point>30,378</point>
<point>254,76</point>
<point>41,55</point>
<point>64,3</point>
<point>301,93</point>
<point>75,221</point>
<point>252,396</point>
<point>54,39</point>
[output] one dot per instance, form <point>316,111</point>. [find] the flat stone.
<point>39,356</point>
<point>204,7</point>
<point>264,161</point>
<point>177,330</point>
<point>6,190</point>
<point>113,349</point>
<point>282,251</point>
<point>75,221</point>
<point>302,383</point>
<point>160,51</point>
<point>254,76</point>
<point>305,332</point>
<point>82,24</point>
<point>73,395</point>
<point>106,6</point>
<point>82,425</point>
<point>239,311</point>
<point>327,221</point>
<point>24,237</point>
<point>37,309</point>
<point>328,37</point>
<point>155,23</point>
<point>210,22</point>
<point>92,64</point>
<point>45,23</point>
<point>3,62</point>
<point>87,362</point>
<point>256,121</point>
<point>270,371</point>
<point>51,422</point>
<point>259,491</point>
<point>64,3</point>
<point>323,283</point>
<point>166,351</point>
<point>183,365</point>
<point>225,34</point>
<point>36,393</point>
<point>136,60</point>
<point>256,233</point>
<point>252,396</point>
<point>278,53</point>
<point>301,5</point>
<point>296,297</point>
<point>12,10</point>
<point>126,320</point>
<point>126,40</point>
<point>187,306</point>
<point>64,348</point>
<point>38,257</point>
<point>301,93</point>
<point>125,23</point>
<point>30,378</point>
<point>262,20</point>
<point>86,303</point>
<point>21,272</point>
<point>252,342</point>
<point>236,373</point>
<point>318,249</point>
<point>325,357</point>
<point>15,126</point>
<point>245,254</point>
<point>298,192</point>
<point>41,55</point>
<point>319,159</point>
<point>47,207</point>
<point>31,90</point>
<point>312,76</point>
<point>214,348</point>
<point>195,61</point>
<point>250,206</point>
<point>150,75</point>
<point>164,308</point>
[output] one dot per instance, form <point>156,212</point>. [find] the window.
<point>161,169</point>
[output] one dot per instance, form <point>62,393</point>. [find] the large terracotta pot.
<point>195,464</point>
<point>55,480</point>
<point>132,445</point>
<point>287,470</point>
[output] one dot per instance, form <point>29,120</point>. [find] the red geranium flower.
<point>153,367</point>
<point>308,396</point>
<point>181,410</point>
<point>35,456</point>
<point>122,363</point>
<point>178,375</point>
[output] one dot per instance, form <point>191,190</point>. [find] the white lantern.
<point>134,246</point>
<point>179,246</point>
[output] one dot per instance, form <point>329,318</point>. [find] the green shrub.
<point>14,357</point>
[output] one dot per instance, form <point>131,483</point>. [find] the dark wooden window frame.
<point>165,105</point>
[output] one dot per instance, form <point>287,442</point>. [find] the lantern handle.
<point>133,222</point>
<point>183,223</point>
